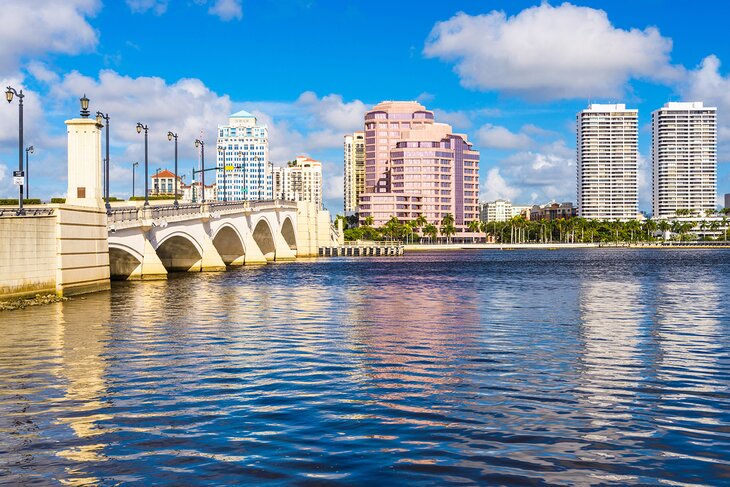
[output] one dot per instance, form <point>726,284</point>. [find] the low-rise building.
<point>163,184</point>
<point>553,211</point>
<point>191,193</point>
<point>502,210</point>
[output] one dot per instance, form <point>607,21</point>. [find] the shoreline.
<point>552,246</point>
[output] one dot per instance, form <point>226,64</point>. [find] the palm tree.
<point>418,223</point>
<point>447,227</point>
<point>650,227</point>
<point>430,230</point>
<point>664,226</point>
<point>474,227</point>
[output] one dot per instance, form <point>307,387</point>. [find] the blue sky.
<point>510,74</point>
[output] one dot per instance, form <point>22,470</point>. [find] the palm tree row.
<point>521,230</point>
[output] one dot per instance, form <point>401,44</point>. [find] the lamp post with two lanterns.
<point>201,144</point>
<point>105,117</point>
<point>28,150</point>
<point>171,136</point>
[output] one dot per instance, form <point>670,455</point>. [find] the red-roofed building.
<point>163,183</point>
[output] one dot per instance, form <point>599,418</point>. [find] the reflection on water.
<point>595,367</point>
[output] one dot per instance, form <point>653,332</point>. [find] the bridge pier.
<point>211,260</point>
<point>151,268</point>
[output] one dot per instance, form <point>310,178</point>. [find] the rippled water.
<point>523,367</point>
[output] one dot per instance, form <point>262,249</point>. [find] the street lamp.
<point>27,171</point>
<point>201,144</point>
<point>84,106</point>
<point>134,165</point>
<point>157,174</point>
<point>140,128</point>
<point>99,117</point>
<point>9,96</point>
<point>222,151</point>
<point>170,137</point>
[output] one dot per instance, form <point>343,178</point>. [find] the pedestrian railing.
<point>27,212</point>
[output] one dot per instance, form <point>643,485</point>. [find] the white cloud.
<point>707,84</point>
<point>458,119</point>
<point>547,52</point>
<point>32,29</point>
<point>159,7</point>
<point>333,112</point>
<point>497,137</point>
<point>227,10</point>
<point>3,172</point>
<point>186,107</point>
<point>496,187</point>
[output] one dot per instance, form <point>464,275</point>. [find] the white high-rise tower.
<point>607,162</point>
<point>684,158</point>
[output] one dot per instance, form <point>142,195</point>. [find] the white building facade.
<point>684,158</point>
<point>502,211</point>
<point>243,152</point>
<point>299,180</point>
<point>607,162</point>
<point>354,163</point>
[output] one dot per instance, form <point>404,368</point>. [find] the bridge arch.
<point>123,261</point>
<point>264,238</point>
<point>180,252</point>
<point>287,231</point>
<point>229,244</point>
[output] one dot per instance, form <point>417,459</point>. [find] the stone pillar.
<point>211,260</point>
<point>84,163</point>
<point>151,267</point>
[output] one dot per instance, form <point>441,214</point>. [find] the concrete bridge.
<point>147,243</point>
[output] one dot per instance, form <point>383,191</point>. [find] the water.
<point>523,367</point>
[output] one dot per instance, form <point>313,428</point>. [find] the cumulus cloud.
<point>547,52</point>
<point>47,27</point>
<point>496,187</point>
<point>707,84</point>
<point>187,107</point>
<point>227,10</point>
<point>496,137</point>
<point>459,119</point>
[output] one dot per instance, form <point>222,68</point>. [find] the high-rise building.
<point>415,166</point>
<point>243,150</point>
<point>607,162</point>
<point>354,150</point>
<point>299,180</point>
<point>727,200</point>
<point>502,210</point>
<point>684,158</point>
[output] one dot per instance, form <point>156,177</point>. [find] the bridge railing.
<point>233,205</point>
<point>126,214</point>
<point>27,211</point>
<point>170,210</point>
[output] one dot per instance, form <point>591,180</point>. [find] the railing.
<point>232,205</point>
<point>126,214</point>
<point>27,212</point>
<point>170,210</point>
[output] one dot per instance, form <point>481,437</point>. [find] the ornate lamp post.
<point>134,165</point>
<point>99,117</point>
<point>9,96</point>
<point>201,144</point>
<point>170,137</point>
<point>140,128</point>
<point>157,173</point>
<point>27,171</point>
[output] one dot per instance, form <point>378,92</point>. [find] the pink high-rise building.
<point>416,166</point>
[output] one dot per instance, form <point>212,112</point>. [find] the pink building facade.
<point>415,166</point>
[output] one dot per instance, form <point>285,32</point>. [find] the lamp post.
<point>170,137</point>
<point>99,117</point>
<point>222,151</point>
<point>157,177</point>
<point>140,128</point>
<point>27,171</point>
<point>134,165</point>
<point>9,96</point>
<point>201,144</point>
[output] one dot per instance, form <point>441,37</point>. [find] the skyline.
<point>522,121</point>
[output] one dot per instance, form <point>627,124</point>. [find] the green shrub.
<point>10,201</point>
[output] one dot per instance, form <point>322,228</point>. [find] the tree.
<point>474,226</point>
<point>431,231</point>
<point>447,227</point>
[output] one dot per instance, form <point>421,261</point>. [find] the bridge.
<point>149,242</point>
<point>76,247</point>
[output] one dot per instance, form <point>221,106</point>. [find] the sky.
<point>510,74</point>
